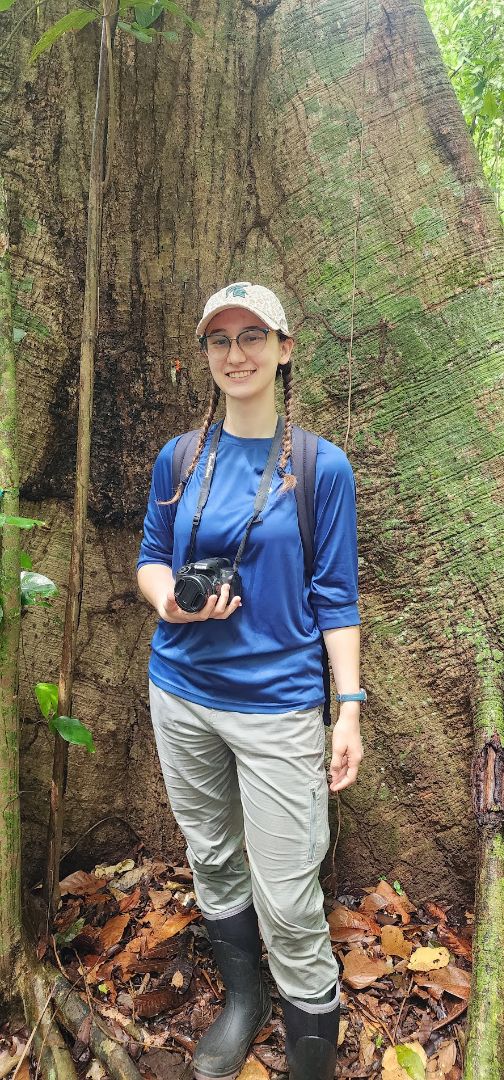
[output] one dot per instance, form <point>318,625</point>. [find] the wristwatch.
<point>358,696</point>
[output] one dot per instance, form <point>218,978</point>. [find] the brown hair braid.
<point>289,481</point>
<point>209,415</point>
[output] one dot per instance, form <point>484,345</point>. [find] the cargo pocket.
<point>318,825</point>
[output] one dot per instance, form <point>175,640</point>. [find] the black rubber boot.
<point>311,1041</point>
<point>221,1052</point>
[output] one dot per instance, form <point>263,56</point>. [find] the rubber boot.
<point>221,1052</point>
<point>311,1040</point>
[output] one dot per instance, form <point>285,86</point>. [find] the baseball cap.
<point>256,298</point>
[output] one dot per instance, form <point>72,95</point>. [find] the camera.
<point>196,581</point>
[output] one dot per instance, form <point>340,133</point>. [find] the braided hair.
<point>209,415</point>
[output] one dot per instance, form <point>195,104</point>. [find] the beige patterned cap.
<point>256,298</point>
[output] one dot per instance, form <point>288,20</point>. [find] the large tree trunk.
<point>238,158</point>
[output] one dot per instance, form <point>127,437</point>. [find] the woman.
<point>236,687</point>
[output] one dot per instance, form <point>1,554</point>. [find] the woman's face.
<point>241,375</point>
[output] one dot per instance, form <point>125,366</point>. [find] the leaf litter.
<point>131,939</point>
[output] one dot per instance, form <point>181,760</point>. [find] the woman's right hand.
<point>216,607</point>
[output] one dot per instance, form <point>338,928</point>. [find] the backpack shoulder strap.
<point>304,461</point>
<point>182,456</point>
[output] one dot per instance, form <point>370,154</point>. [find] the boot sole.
<point>198,1075</point>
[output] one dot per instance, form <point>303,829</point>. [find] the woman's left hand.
<point>347,751</point>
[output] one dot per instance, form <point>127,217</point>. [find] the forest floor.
<point>130,939</point>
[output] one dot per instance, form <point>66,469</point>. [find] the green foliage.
<point>21,522</point>
<point>470,34</point>
<point>46,694</point>
<point>6,4</point>
<point>70,729</point>
<point>74,20</point>
<point>147,13</point>
<point>73,731</point>
<point>64,937</point>
<point>35,588</point>
<point>410,1062</point>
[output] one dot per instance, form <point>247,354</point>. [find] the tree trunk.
<point>238,157</point>
<point>10,614</point>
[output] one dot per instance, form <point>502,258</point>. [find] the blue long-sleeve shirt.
<point>267,656</point>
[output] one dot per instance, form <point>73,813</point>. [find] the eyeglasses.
<point>252,342</point>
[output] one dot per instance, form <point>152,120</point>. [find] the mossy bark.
<point>10,613</point>
<point>238,157</point>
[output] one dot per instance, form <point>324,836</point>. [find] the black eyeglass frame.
<point>203,340</point>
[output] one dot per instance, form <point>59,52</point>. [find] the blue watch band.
<point>358,696</point>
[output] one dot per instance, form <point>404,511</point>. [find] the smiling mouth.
<point>240,374</point>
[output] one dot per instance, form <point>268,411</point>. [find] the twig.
<point>404,1000</point>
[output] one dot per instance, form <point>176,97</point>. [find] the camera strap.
<point>262,493</point>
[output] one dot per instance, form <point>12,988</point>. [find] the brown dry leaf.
<point>456,943</point>
<point>394,943</point>
<point>129,900</point>
<point>111,871</point>
<point>443,1059</point>
<point>359,970</point>
<point>343,1028</point>
<point>160,898</point>
<point>371,903</point>
<point>453,979</point>
<point>171,926</point>
<point>253,1070</point>
<point>342,917</point>
<point>400,904</point>
<point>8,1060</point>
<point>24,1070</point>
<point>457,1009</point>
<point>177,980</point>
<point>426,958</point>
<point>367,1047</point>
<point>81,884</point>
<point>436,911</point>
<point>113,930</point>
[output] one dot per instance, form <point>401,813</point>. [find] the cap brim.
<point>203,323</point>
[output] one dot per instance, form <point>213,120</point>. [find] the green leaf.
<point>18,334</point>
<point>145,16</point>
<point>490,106</point>
<point>6,4</point>
<point>169,35</point>
<point>64,937</point>
<point>398,887</point>
<point>73,731</point>
<point>46,694</point>
<point>75,20</point>
<point>25,561</point>
<point>410,1062</point>
<point>141,35</point>
<point>21,522</point>
<point>35,587</point>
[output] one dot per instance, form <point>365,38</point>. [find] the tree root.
<point>51,1051</point>
<point>73,1012</point>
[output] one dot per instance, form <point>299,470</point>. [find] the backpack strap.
<point>183,455</point>
<point>304,461</point>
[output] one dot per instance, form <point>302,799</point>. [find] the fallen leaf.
<point>367,1048</point>
<point>171,926</point>
<point>400,904</point>
<point>342,917</point>
<point>453,979</point>
<point>343,1028</point>
<point>159,899</point>
<point>456,943</point>
<point>113,931</point>
<point>394,943</point>
<point>253,1070</point>
<point>129,901</point>
<point>443,1059</point>
<point>427,958</point>
<point>111,871</point>
<point>81,884</point>
<point>372,902</point>
<point>95,1071</point>
<point>392,1068</point>
<point>359,970</point>
<point>177,980</point>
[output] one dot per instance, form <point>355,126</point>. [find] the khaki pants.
<point>261,778</point>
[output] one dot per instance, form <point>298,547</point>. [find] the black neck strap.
<point>262,493</point>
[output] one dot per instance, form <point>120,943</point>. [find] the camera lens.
<point>192,592</point>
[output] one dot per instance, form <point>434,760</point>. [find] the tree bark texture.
<point>10,614</point>
<point>238,158</point>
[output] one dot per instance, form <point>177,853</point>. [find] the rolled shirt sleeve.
<point>334,588</point>
<point>157,540</point>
